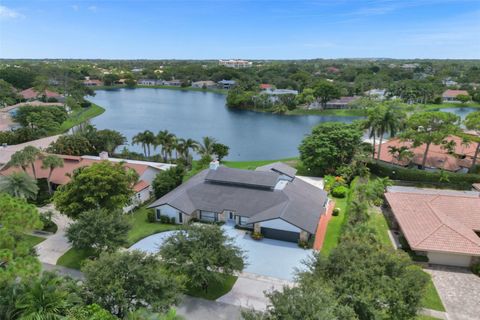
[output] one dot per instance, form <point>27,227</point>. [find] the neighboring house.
<point>32,94</point>
<point>274,94</point>
<point>208,84</point>
<point>449,82</point>
<point>341,103</point>
<point>136,70</point>
<point>173,83</point>
<point>451,95</point>
<point>92,82</point>
<point>459,160</point>
<point>376,94</point>
<point>236,64</point>
<point>443,225</point>
<point>226,84</point>
<point>409,66</point>
<point>145,170</point>
<point>265,86</point>
<point>270,200</point>
<point>149,82</point>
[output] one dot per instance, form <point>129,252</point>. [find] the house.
<point>341,103</point>
<point>451,95</point>
<point>449,82</point>
<point>60,176</point>
<point>32,94</point>
<point>236,64</point>
<point>443,225</point>
<point>208,84</point>
<point>172,83</point>
<point>92,82</point>
<point>409,66</point>
<point>270,200</point>
<point>149,82</point>
<point>265,86</point>
<point>376,94</point>
<point>226,84</point>
<point>275,94</point>
<point>458,160</point>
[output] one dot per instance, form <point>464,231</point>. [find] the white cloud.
<point>7,13</point>
<point>92,8</point>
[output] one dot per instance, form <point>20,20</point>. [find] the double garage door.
<point>449,259</point>
<point>280,234</point>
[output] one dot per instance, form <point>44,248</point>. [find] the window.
<point>180,217</point>
<point>159,214</point>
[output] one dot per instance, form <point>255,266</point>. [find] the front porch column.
<point>257,228</point>
<point>304,236</point>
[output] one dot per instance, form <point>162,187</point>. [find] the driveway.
<point>459,290</point>
<point>55,246</point>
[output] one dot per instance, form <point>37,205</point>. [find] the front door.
<point>230,215</point>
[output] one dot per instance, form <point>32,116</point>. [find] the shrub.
<point>165,219</point>
<point>151,216</point>
<point>172,220</point>
<point>476,268</point>
<point>256,235</point>
<point>336,212</point>
<point>48,224</point>
<point>85,104</point>
<point>303,244</point>
<point>340,192</point>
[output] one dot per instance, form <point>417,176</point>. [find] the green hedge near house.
<point>448,179</point>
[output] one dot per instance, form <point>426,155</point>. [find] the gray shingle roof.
<point>242,177</point>
<point>279,167</point>
<point>299,203</point>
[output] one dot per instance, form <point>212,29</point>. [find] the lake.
<point>190,114</point>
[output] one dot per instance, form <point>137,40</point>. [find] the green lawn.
<point>330,112</point>
<point>81,115</point>
<point>431,299</point>
<point>334,227</point>
<point>379,223</point>
<point>252,165</point>
<point>422,317</point>
<point>32,240</point>
<point>215,290</point>
<point>73,258</point>
<point>141,228</point>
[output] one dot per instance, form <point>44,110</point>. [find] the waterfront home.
<point>32,94</point>
<point>149,82</point>
<point>443,225</point>
<point>265,86</point>
<point>271,201</point>
<point>226,84</point>
<point>92,82</point>
<point>236,64</point>
<point>172,83</point>
<point>146,171</point>
<point>207,84</point>
<point>341,103</point>
<point>275,94</point>
<point>451,95</point>
<point>458,159</point>
<point>376,94</point>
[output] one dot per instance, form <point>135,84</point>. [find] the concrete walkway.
<point>196,309</point>
<point>55,246</point>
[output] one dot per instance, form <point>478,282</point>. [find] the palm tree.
<point>472,122</point>
<point>166,140</point>
<point>402,153</point>
<point>372,124</point>
<point>51,162</point>
<point>390,122</point>
<point>19,159</point>
<point>20,185</point>
<point>205,149</point>
<point>31,155</point>
<point>148,139</point>
<point>139,138</point>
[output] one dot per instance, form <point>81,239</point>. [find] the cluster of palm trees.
<point>172,147</point>
<point>20,184</point>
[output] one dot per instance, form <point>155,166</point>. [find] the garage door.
<point>449,259</point>
<point>280,234</point>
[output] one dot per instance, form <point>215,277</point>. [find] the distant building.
<point>226,84</point>
<point>32,94</point>
<point>265,86</point>
<point>451,95</point>
<point>376,94</point>
<point>92,82</point>
<point>236,64</point>
<point>449,82</point>
<point>341,103</point>
<point>136,70</point>
<point>208,84</point>
<point>172,83</point>
<point>274,94</point>
<point>410,66</point>
<point>149,82</point>
<point>333,70</point>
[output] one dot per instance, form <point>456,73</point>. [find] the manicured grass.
<point>252,165</point>
<point>141,228</point>
<point>334,227</point>
<point>329,112</point>
<point>81,115</point>
<point>422,317</point>
<point>379,223</point>
<point>215,290</point>
<point>73,258</point>
<point>431,299</point>
<point>32,240</point>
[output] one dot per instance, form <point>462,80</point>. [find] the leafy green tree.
<point>204,254</point>
<point>326,91</point>
<point>103,185</point>
<point>89,312</point>
<point>463,98</point>
<point>16,218</point>
<point>330,145</point>
<point>220,150</point>
<point>472,122</point>
<point>51,162</point>
<point>19,184</point>
<point>8,95</point>
<point>109,79</point>
<point>45,118</point>
<point>166,181</point>
<point>20,78</point>
<point>100,230</point>
<point>124,281</point>
<point>430,127</point>
<point>130,83</point>
<point>72,145</point>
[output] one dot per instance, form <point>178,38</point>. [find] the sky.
<point>248,29</point>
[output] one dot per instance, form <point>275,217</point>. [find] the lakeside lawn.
<point>215,290</point>
<point>79,116</point>
<point>32,240</point>
<point>335,226</point>
<point>329,112</point>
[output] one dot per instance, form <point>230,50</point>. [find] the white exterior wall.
<point>279,224</point>
<point>149,174</point>
<point>139,198</point>
<point>171,212</point>
<point>449,259</point>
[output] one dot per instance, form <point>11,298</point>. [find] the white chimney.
<point>103,155</point>
<point>214,164</point>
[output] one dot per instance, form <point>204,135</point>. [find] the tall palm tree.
<point>372,124</point>
<point>205,148</point>
<point>20,185</point>
<point>472,122</point>
<point>391,122</point>
<point>139,138</point>
<point>166,140</point>
<point>31,155</point>
<point>51,162</point>
<point>401,153</point>
<point>19,159</point>
<point>149,140</point>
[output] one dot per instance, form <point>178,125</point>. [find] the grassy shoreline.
<point>79,116</point>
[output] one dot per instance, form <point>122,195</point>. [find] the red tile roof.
<point>438,222</point>
<point>265,86</point>
<point>454,93</point>
<point>436,158</point>
<point>31,93</point>
<point>142,184</point>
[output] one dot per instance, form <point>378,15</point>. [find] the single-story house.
<point>270,200</point>
<point>92,82</point>
<point>60,176</point>
<point>451,95</point>
<point>204,84</point>
<point>265,86</point>
<point>149,82</point>
<point>236,64</point>
<point>443,225</point>
<point>341,103</point>
<point>226,84</point>
<point>376,94</point>
<point>460,160</point>
<point>32,94</point>
<point>173,83</point>
<point>275,94</point>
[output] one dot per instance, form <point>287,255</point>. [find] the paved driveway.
<point>459,290</point>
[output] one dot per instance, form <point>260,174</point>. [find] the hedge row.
<point>462,180</point>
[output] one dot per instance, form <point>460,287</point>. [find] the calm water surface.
<point>189,114</point>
